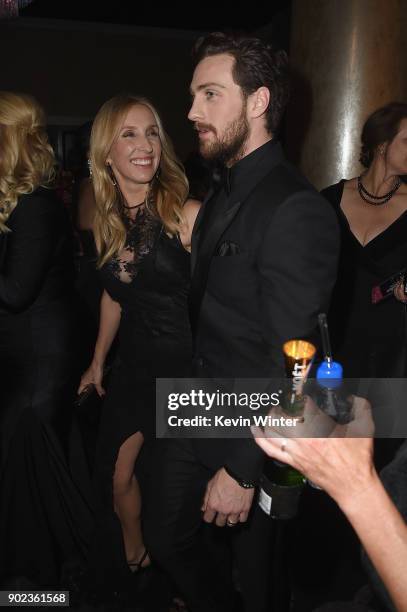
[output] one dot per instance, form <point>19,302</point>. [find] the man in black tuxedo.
<point>264,256</point>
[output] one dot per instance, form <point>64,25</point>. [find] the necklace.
<point>380,200</point>
<point>134,205</point>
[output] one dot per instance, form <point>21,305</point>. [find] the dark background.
<point>72,56</point>
<point>205,16</point>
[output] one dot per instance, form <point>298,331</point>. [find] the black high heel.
<point>178,605</point>
<point>138,565</point>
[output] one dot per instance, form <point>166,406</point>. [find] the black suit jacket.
<point>262,271</point>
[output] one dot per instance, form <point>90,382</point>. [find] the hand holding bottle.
<point>328,462</point>
<point>314,423</point>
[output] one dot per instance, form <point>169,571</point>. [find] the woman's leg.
<point>127,499</point>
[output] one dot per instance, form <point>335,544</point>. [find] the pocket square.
<point>227,248</point>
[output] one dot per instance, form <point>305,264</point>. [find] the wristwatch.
<point>246,484</point>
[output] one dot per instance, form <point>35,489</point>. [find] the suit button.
<point>200,362</point>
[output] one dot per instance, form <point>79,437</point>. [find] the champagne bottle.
<point>282,484</point>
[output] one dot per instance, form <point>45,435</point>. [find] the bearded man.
<point>264,256</point>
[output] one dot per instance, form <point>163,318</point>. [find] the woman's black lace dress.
<point>150,280</point>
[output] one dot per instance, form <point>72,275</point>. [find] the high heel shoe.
<point>178,605</point>
<point>136,567</point>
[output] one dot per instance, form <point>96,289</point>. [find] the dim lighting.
<point>10,8</point>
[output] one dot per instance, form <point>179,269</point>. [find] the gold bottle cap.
<point>299,350</point>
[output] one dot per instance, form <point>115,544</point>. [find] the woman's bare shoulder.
<point>191,209</point>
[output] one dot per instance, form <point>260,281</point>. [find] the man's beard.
<point>231,146</point>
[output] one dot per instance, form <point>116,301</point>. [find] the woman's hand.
<point>93,376</point>
<point>399,292</point>
<point>341,463</point>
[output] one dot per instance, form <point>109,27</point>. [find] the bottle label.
<point>265,502</point>
<point>298,375</point>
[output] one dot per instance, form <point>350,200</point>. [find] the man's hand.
<point>226,500</point>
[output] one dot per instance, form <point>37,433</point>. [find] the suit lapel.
<point>203,246</point>
<point>208,242</point>
<point>205,249</point>
<point>195,232</point>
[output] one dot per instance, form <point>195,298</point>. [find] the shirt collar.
<point>232,178</point>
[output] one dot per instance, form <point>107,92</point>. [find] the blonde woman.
<point>142,230</point>
<point>44,517</point>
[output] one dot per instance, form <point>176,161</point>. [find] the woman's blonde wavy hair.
<point>27,160</point>
<point>168,190</point>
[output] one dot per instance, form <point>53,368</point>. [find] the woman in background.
<point>370,338</point>
<point>88,283</point>
<point>45,518</point>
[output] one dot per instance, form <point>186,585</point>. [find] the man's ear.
<point>258,102</point>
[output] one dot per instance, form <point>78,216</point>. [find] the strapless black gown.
<point>150,279</point>
<point>45,512</point>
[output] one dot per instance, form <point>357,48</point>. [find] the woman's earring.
<point>90,168</point>
<point>111,174</point>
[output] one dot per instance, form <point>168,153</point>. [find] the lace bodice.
<point>150,279</point>
<point>141,235</point>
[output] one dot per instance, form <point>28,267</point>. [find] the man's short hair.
<point>256,65</point>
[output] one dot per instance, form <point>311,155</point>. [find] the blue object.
<point>330,374</point>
